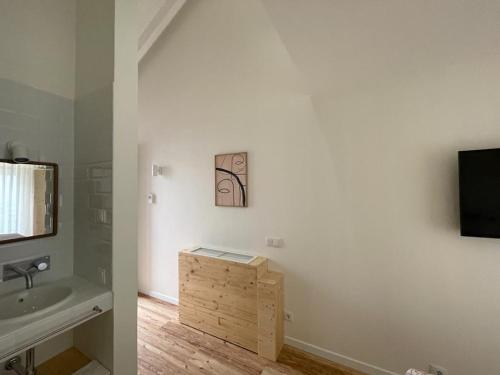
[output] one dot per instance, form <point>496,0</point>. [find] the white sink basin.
<point>25,304</point>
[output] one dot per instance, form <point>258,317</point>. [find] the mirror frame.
<point>55,206</point>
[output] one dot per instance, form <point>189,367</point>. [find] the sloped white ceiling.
<point>341,44</point>
<point>147,11</point>
<point>154,17</point>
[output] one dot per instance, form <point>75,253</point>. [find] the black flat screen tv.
<point>479,184</point>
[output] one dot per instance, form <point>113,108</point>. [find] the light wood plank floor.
<point>167,347</point>
<point>65,363</point>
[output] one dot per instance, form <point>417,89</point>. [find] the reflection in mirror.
<point>28,201</point>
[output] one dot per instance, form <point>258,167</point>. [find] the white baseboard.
<point>306,347</point>
<point>161,296</point>
<point>338,358</point>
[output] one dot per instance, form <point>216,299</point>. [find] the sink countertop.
<point>85,296</point>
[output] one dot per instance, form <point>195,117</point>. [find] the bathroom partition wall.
<point>43,121</point>
<point>68,90</point>
<point>37,84</point>
<point>93,185</point>
<point>94,139</point>
<point>94,165</point>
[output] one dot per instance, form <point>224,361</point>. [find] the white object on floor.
<point>412,371</point>
<point>93,368</point>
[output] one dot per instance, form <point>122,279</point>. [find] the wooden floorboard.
<point>167,347</point>
<point>65,363</point>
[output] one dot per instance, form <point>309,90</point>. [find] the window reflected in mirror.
<point>28,201</point>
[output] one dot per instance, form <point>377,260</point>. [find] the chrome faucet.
<point>26,269</point>
<point>28,275</point>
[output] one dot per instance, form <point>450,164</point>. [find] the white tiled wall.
<point>93,184</point>
<point>45,123</point>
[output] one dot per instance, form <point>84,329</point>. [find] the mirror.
<point>28,201</point>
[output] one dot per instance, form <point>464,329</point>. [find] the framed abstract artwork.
<point>231,180</point>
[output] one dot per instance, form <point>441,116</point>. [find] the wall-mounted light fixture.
<point>18,152</point>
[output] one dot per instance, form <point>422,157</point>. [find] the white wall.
<point>94,46</point>
<point>413,291</point>
<point>106,142</point>
<point>94,137</point>
<point>37,46</point>
<point>37,81</point>
<point>44,122</point>
<point>234,101</point>
<point>125,192</point>
<point>93,164</point>
<point>361,182</point>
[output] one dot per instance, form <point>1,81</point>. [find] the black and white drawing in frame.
<point>231,180</point>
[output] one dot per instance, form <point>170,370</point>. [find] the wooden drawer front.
<point>219,286</point>
<point>229,328</point>
<point>235,275</point>
<point>239,303</point>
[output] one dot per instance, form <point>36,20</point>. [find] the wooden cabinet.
<point>238,302</point>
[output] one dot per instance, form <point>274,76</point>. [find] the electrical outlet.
<point>288,316</point>
<point>274,242</point>
<point>437,370</point>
